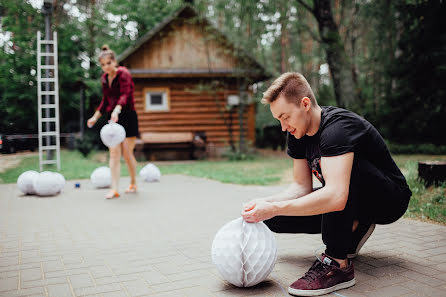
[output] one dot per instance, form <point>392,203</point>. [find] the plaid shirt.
<point>121,91</point>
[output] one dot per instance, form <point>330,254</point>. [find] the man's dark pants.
<point>373,198</point>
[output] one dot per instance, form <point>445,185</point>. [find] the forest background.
<point>385,60</point>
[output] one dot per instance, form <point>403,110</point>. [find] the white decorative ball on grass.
<point>112,134</point>
<point>150,173</point>
<point>47,184</point>
<point>101,177</point>
<point>244,253</point>
<point>25,182</point>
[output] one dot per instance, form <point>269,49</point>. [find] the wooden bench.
<point>165,146</point>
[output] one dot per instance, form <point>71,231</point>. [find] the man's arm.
<point>332,197</point>
<point>302,185</point>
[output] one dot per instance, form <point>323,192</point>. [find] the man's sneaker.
<point>324,277</point>
<point>360,236</point>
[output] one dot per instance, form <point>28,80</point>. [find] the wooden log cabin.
<point>189,79</point>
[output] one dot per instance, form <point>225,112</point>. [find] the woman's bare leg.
<point>115,168</point>
<point>129,157</point>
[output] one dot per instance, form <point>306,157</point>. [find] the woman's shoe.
<point>131,189</point>
<point>112,194</point>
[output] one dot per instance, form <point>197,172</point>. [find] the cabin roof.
<point>252,67</point>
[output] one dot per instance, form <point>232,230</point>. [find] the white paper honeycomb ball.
<point>47,184</point>
<point>60,181</point>
<point>101,177</point>
<point>150,173</point>
<point>112,134</point>
<point>244,253</point>
<point>25,182</point>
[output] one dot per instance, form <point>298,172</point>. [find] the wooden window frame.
<point>156,90</point>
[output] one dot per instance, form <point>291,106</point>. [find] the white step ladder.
<point>48,101</point>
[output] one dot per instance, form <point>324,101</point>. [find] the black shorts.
<point>129,120</point>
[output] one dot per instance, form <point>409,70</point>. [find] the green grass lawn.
<point>426,203</point>
<point>260,171</point>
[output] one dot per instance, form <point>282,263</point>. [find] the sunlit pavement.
<point>158,243</point>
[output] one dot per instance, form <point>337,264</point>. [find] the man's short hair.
<point>292,85</point>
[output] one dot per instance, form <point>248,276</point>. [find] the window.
<point>156,99</point>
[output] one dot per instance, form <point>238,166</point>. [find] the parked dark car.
<point>10,144</point>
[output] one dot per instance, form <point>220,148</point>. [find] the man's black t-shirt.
<point>340,132</point>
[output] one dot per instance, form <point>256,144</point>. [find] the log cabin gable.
<point>183,46</point>
<point>187,45</point>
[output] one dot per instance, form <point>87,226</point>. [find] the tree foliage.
<point>392,54</point>
<point>416,106</point>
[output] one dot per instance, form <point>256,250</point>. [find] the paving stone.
<point>137,288</point>
<point>177,293</point>
<point>59,291</point>
<point>423,279</point>
<point>390,291</point>
<point>170,286</point>
<point>425,290</point>
<point>106,280</point>
<point>114,294</point>
<point>81,281</point>
<point>98,289</point>
<point>100,271</point>
<point>51,266</point>
<point>154,277</point>
<point>31,274</point>
<point>8,284</point>
<point>197,292</point>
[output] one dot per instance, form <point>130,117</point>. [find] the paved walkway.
<point>158,243</point>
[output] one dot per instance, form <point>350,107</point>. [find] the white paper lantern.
<point>101,177</point>
<point>112,134</point>
<point>244,253</point>
<point>47,184</point>
<point>60,181</point>
<point>150,173</point>
<point>25,182</point>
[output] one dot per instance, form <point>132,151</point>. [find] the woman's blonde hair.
<point>106,51</point>
<point>292,85</point>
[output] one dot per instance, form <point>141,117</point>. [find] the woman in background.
<point>119,104</point>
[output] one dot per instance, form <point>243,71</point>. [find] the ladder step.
<point>48,93</point>
<point>50,133</point>
<point>49,147</point>
<point>51,67</point>
<point>47,79</point>
<point>49,161</point>
<point>45,41</point>
<point>48,105</point>
<point>48,119</point>
<point>47,54</point>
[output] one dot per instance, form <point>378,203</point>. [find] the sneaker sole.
<point>363,240</point>
<point>340,286</point>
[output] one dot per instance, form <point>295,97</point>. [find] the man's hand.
<point>258,210</point>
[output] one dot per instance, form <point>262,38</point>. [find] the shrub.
<point>86,144</point>
<point>423,148</point>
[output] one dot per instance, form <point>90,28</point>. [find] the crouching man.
<point>361,184</point>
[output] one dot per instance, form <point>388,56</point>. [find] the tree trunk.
<point>340,66</point>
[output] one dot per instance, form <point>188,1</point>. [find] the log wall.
<point>192,111</point>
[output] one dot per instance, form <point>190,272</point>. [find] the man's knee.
<point>273,225</point>
<point>291,224</point>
